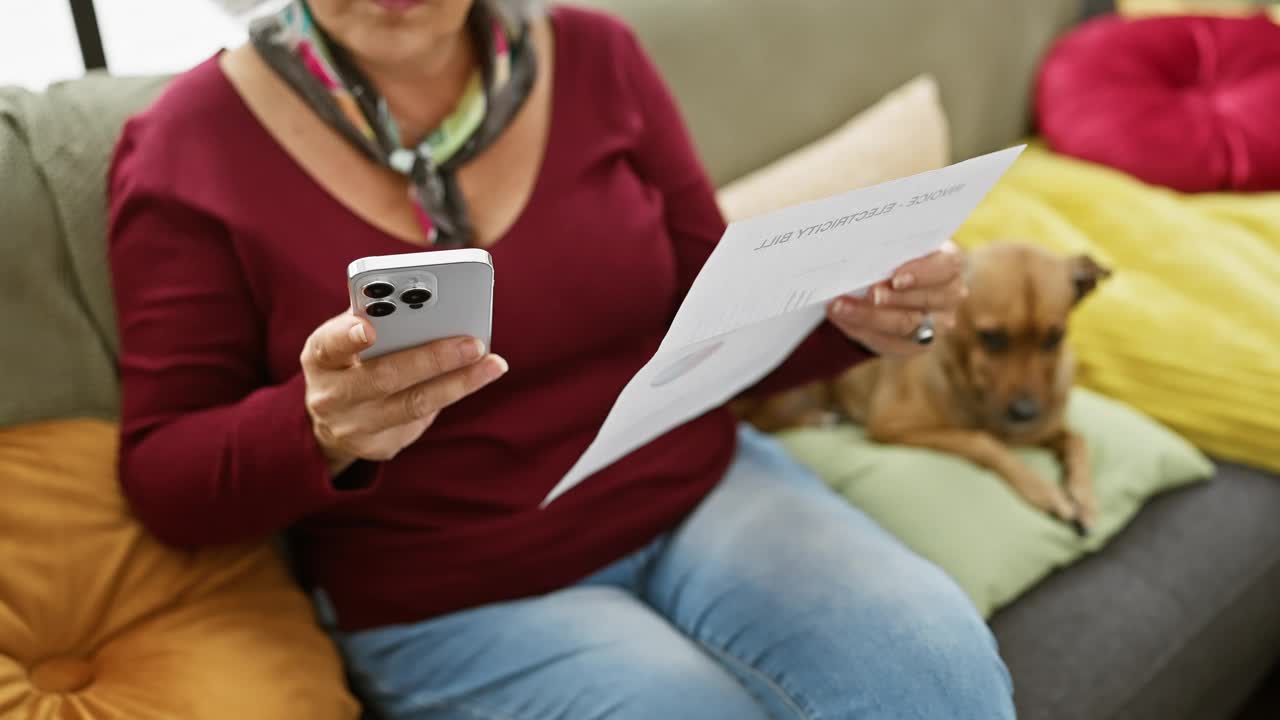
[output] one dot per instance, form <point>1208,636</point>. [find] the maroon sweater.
<point>227,255</point>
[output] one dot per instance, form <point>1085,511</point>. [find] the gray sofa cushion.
<point>60,341</point>
<point>758,79</point>
<point>1177,620</point>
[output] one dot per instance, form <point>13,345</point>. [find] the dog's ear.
<point>1086,273</point>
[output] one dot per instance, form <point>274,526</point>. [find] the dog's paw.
<point>1080,489</point>
<point>1086,506</point>
<point>1053,501</point>
<point>1061,507</point>
<point>1042,494</point>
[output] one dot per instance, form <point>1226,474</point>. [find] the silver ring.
<point>923,334</point>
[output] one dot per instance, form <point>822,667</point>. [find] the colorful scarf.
<point>322,73</point>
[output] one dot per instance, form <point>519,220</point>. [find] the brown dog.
<point>999,378</point>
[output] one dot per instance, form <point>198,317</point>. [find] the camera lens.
<point>382,308</point>
<point>378,289</point>
<point>415,296</point>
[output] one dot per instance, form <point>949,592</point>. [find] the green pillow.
<point>971,524</point>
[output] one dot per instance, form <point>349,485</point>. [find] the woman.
<point>705,575</point>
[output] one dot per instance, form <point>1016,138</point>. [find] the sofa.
<point>1177,619</point>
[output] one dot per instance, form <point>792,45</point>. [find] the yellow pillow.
<point>99,621</point>
<point>903,134</point>
<point>1188,328</point>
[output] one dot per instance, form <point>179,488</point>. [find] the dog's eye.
<point>1052,339</point>
<point>995,341</point>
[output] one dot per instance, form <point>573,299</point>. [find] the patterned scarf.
<point>322,73</point>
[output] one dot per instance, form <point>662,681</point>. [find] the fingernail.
<point>358,334</point>
<point>497,368</point>
<point>879,296</point>
<point>904,281</point>
<point>845,308</point>
<point>471,349</point>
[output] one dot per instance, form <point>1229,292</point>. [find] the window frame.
<point>89,36</point>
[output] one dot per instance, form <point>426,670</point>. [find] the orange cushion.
<point>100,621</point>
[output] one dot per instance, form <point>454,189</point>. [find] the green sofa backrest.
<point>759,78</point>
<point>754,78</point>
<point>58,346</point>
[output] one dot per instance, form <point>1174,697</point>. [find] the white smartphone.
<point>414,298</point>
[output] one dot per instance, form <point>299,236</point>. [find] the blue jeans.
<point>774,599</point>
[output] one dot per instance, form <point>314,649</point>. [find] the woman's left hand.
<point>886,318</point>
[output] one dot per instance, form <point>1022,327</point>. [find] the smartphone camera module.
<point>415,297</point>
<point>381,308</point>
<point>378,289</point>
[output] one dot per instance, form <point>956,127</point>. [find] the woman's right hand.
<point>372,410</point>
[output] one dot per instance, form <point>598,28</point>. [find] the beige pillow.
<point>903,134</point>
<point>1138,8</point>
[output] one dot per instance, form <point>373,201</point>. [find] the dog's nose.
<point>1024,409</point>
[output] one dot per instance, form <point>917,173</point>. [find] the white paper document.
<point>765,288</point>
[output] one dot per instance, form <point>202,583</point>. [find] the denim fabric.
<point>774,599</point>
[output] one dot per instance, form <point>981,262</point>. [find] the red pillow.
<point>1188,102</point>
